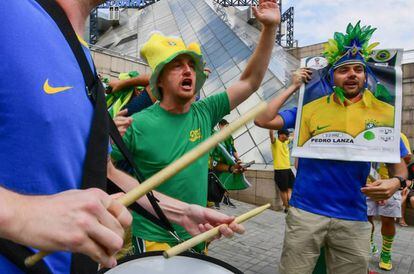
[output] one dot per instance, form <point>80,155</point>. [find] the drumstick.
<point>178,165</point>
<point>211,233</point>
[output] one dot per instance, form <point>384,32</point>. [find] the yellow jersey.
<point>327,115</point>
<point>280,153</point>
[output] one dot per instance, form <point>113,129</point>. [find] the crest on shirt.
<point>371,123</point>
<point>195,135</point>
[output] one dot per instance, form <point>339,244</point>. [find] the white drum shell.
<point>175,265</point>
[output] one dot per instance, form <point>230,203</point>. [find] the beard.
<point>352,95</point>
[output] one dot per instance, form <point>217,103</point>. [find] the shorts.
<point>284,179</point>
<point>391,208</point>
<point>346,244</point>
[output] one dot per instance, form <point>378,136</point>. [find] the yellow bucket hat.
<point>159,50</point>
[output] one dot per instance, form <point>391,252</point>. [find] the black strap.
<point>113,188</point>
<point>162,221</point>
<point>96,156</point>
<point>94,171</point>
<point>95,163</point>
<point>16,254</point>
<point>95,167</point>
<point>62,21</point>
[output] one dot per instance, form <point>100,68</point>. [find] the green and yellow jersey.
<point>156,138</point>
<point>327,115</point>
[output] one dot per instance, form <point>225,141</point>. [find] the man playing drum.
<point>45,123</point>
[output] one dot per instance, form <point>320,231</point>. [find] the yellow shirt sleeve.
<point>406,143</point>
<point>304,131</point>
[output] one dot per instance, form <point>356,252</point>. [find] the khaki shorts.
<point>347,244</point>
<point>390,208</point>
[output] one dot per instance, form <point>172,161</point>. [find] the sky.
<point>315,21</point>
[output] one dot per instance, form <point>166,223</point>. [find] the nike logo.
<point>322,127</point>
<point>52,90</point>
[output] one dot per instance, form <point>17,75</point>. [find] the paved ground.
<point>258,251</point>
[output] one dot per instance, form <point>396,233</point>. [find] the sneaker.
<point>226,200</point>
<point>217,205</point>
<point>231,204</point>
<point>374,249</point>
<point>385,262</point>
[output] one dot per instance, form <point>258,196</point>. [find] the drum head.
<point>155,263</point>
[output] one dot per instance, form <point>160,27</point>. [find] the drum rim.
<point>184,254</point>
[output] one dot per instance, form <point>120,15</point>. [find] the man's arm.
<point>384,189</point>
<point>81,221</point>
<point>117,85</point>
<point>236,168</point>
<point>194,218</point>
<point>270,118</point>
<point>272,136</point>
<point>268,14</point>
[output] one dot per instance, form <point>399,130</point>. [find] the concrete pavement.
<point>259,249</point>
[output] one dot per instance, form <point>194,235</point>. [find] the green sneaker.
<point>385,261</point>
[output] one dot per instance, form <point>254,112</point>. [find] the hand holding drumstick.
<point>174,168</point>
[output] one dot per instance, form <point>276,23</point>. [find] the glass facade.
<point>226,45</point>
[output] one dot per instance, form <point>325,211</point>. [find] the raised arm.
<point>272,136</point>
<point>268,14</point>
<point>141,80</point>
<point>270,118</point>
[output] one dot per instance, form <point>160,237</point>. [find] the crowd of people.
<point>50,201</point>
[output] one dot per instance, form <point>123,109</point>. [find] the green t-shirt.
<point>229,145</point>
<point>156,138</point>
<point>215,155</point>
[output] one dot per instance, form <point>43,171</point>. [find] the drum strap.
<point>16,254</point>
<point>102,123</point>
<point>95,168</point>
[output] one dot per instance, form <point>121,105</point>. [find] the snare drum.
<point>155,263</point>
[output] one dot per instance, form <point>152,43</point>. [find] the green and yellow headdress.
<point>351,48</point>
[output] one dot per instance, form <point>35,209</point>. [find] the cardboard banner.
<point>368,130</point>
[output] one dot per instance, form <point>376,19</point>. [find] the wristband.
<point>403,183</point>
